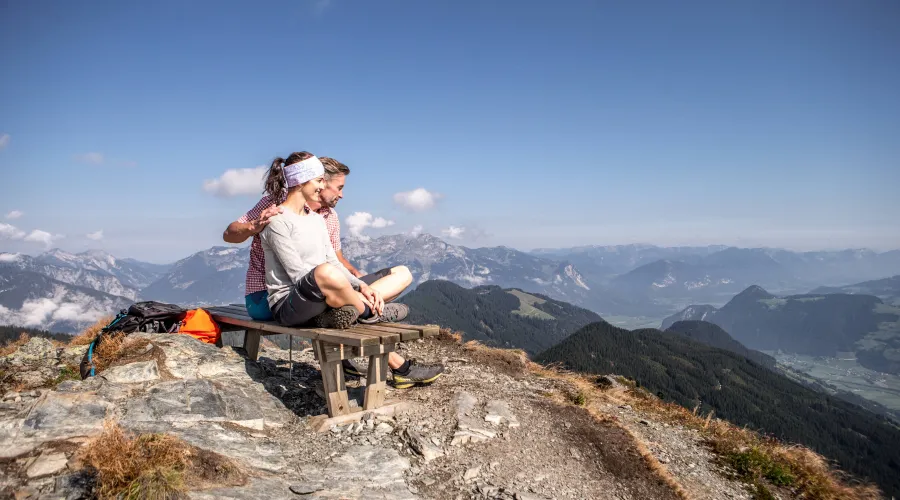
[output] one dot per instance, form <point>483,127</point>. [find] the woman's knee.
<point>403,272</point>
<point>328,275</point>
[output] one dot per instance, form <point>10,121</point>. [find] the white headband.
<point>303,171</point>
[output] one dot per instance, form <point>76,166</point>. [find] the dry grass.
<point>13,346</point>
<point>116,347</point>
<point>449,335</point>
<point>763,463</point>
<point>90,333</point>
<point>152,466</point>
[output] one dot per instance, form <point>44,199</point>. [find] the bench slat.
<point>426,330</point>
<point>405,334</point>
<point>333,336</point>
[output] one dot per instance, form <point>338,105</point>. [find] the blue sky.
<point>534,124</point>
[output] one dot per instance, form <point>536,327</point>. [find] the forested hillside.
<point>713,335</point>
<point>741,391</point>
<point>507,318</point>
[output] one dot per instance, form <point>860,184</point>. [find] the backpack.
<point>200,325</point>
<point>146,317</point>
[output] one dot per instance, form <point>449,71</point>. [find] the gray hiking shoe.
<point>418,375</point>
<point>392,314</point>
<point>340,318</point>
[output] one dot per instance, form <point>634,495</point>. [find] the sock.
<point>367,313</point>
<point>403,369</point>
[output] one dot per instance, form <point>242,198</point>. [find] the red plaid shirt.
<point>256,271</point>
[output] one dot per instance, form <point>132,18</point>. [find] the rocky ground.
<point>488,429</point>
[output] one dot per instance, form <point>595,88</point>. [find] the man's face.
<point>334,190</point>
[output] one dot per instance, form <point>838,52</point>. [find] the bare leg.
<point>337,290</point>
<point>395,361</point>
<point>392,285</point>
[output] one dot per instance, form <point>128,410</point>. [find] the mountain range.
<point>693,374</point>
<point>887,289</point>
<point>627,280</point>
<point>813,324</point>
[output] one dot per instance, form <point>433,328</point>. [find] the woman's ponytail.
<point>275,185</point>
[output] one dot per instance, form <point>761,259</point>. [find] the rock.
<point>465,404</point>
<point>53,417</point>
<point>132,373</point>
<point>575,453</point>
<point>47,464</point>
<point>644,422</point>
<point>384,428</point>
<point>261,454</point>
<point>363,471</point>
<point>471,473</point>
<point>75,486</point>
<point>427,480</point>
<point>427,449</point>
<point>498,412</point>
<point>36,351</point>
<point>306,488</point>
<point>257,489</point>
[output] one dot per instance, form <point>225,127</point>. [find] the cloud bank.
<point>359,221</point>
<point>417,200</point>
<point>237,182</point>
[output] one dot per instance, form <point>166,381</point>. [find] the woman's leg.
<point>392,285</point>
<point>337,290</point>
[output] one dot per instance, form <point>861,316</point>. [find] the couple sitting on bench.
<point>297,273</point>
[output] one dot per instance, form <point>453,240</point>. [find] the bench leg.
<point>251,343</point>
<point>376,378</point>
<point>333,383</point>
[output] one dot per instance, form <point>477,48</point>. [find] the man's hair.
<point>333,167</point>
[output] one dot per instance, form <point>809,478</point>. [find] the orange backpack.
<point>200,325</point>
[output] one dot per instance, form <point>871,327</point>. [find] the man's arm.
<point>251,223</point>
<point>354,271</point>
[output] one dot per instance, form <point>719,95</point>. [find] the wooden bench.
<point>330,347</point>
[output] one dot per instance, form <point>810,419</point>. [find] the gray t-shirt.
<point>295,245</point>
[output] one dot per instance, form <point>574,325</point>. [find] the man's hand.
<point>259,224</point>
<point>373,298</point>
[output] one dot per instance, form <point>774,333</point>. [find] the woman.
<point>304,279</point>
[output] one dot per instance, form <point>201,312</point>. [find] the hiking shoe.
<point>340,318</point>
<point>352,368</point>
<point>392,314</point>
<point>418,375</point>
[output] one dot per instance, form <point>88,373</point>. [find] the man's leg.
<point>392,285</point>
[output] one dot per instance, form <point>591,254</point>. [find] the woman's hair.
<point>275,183</point>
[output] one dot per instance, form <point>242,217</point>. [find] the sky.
<point>139,128</point>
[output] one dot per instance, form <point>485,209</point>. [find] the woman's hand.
<point>373,298</point>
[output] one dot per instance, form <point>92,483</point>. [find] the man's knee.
<point>403,272</point>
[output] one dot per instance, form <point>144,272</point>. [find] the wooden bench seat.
<point>330,347</point>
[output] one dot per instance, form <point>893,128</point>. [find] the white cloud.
<point>321,5</point>
<point>15,214</point>
<point>9,257</point>
<point>417,200</point>
<point>44,237</point>
<point>358,221</point>
<point>91,158</point>
<point>96,236</point>
<point>40,312</point>
<point>453,232</point>
<point>416,230</point>
<point>10,232</point>
<point>4,141</point>
<point>237,182</point>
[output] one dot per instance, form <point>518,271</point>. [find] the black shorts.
<point>303,303</point>
<point>377,275</point>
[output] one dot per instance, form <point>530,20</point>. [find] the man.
<point>387,283</point>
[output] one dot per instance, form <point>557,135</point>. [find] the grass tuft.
<point>90,333</point>
<point>115,347</point>
<point>153,466</point>
<point>11,347</point>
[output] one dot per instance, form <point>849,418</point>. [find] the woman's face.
<point>312,189</point>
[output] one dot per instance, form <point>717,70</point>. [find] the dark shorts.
<point>303,303</point>
<point>377,275</point>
